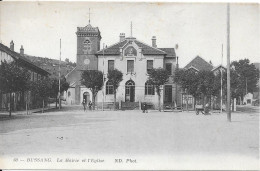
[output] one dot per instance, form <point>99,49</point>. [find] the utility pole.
<point>176,90</point>
<point>59,75</point>
<point>103,93</point>
<point>176,70</point>
<point>228,64</point>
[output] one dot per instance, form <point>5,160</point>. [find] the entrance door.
<point>168,93</point>
<point>130,91</point>
<point>86,96</point>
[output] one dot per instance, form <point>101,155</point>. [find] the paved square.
<point>182,137</point>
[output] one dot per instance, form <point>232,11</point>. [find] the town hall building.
<point>133,58</point>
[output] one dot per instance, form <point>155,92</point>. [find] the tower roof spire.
<point>89,16</point>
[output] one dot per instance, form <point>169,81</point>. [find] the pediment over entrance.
<point>130,51</point>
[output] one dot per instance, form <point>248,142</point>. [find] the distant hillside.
<point>52,65</point>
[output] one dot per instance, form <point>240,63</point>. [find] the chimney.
<point>12,45</point>
<point>154,42</point>
<point>122,37</point>
<point>21,50</point>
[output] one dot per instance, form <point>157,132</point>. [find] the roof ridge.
<point>14,54</point>
<point>189,62</point>
<point>194,59</point>
<point>150,46</point>
<point>111,46</point>
<point>204,60</point>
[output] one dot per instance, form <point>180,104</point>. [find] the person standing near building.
<point>145,107</point>
<point>84,104</point>
<point>90,105</point>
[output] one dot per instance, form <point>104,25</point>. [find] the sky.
<point>197,28</point>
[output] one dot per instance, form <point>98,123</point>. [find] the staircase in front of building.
<point>130,106</point>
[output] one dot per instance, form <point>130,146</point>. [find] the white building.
<point>129,55</point>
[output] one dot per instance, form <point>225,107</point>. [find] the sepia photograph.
<point>94,85</point>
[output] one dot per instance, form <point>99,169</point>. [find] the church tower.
<point>88,43</point>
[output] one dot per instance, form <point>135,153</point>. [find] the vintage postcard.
<point>129,85</point>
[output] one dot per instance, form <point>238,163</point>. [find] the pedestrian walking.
<point>207,110</point>
<point>145,108</point>
<point>84,104</point>
<point>90,105</point>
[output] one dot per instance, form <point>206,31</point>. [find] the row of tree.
<point>202,85</point>
<point>94,80</point>
<point>205,84</point>
<point>17,79</point>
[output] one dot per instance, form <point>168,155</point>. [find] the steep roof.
<point>21,59</point>
<point>146,49</point>
<point>149,50</point>
<point>200,64</point>
<point>113,49</point>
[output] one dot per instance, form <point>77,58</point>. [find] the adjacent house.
<point>9,55</point>
<point>253,98</point>
<point>197,64</point>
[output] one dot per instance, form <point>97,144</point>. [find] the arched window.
<point>69,94</point>
<point>87,45</point>
<point>149,89</point>
<point>109,88</point>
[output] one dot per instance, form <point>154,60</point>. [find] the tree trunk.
<point>59,103</point>
<point>232,101</point>
<point>10,96</point>
<point>93,100</point>
<point>159,100</point>
<point>203,96</point>
<point>195,101</point>
<point>187,108</point>
<point>211,102</point>
<point>1,96</point>
<point>114,100</point>
<point>42,105</point>
<point>26,102</point>
<point>56,102</point>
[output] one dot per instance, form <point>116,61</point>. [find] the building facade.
<point>129,55</point>
<point>9,55</point>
